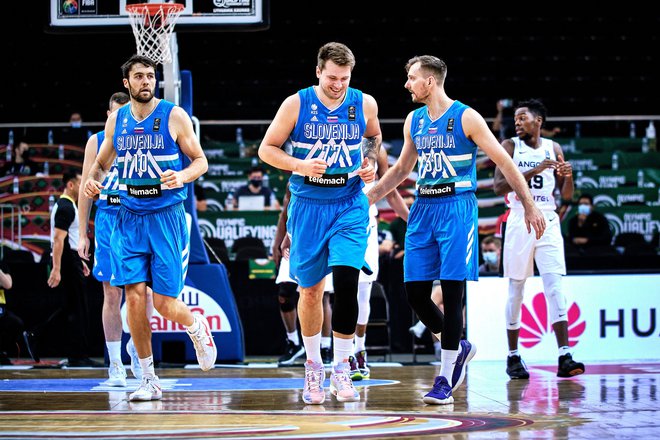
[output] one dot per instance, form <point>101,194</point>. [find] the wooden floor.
<point>231,402</point>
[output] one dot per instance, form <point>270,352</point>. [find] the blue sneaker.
<point>466,355</point>
<point>440,394</point>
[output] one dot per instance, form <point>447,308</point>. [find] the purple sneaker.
<point>341,385</point>
<point>313,392</point>
<point>466,355</point>
<point>440,394</point>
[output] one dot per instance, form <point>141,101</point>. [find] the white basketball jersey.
<point>542,185</point>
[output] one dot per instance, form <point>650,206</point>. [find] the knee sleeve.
<point>419,298</point>
<point>364,306</point>
<point>288,296</point>
<point>554,296</point>
<point>345,308</point>
<point>514,304</point>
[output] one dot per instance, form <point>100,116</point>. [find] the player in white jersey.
<point>542,163</point>
<point>358,362</point>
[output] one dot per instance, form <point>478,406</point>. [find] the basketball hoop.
<point>152,25</point>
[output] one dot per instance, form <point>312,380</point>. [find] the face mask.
<point>584,209</point>
<point>256,182</point>
<point>490,257</point>
<point>76,124</point>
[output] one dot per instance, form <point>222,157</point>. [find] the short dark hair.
<point>255,169</point>
<point>120,98</point>
<point>586,196</point>
<point>136,59</point>
<point>536,108</point>
<point>67,176</point>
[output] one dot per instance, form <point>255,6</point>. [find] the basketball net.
<point>152,25</point>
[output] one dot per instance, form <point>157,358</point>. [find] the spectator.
<point>21,162</point>
<point>255,188</point>
<point>200,197</point>
<point>589,227</point>
<point>491,249</point>
<point>75,134</point>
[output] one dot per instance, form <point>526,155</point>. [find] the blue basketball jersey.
<point>447,158</point>
<point>109,197</point>
<point>334,136</point>
<point>145,149</point>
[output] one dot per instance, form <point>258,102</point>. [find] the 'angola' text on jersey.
<point>542,185</point>
<point>446,163</point>
<point>145,149</point>
<point>334,136</point>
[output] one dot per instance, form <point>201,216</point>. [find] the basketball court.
<point>262,401</point>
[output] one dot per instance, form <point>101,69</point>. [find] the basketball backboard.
<point>198,15</point>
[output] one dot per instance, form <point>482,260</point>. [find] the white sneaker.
<point>116,375</point>
<point>136,368</point>
<point>204,344</point>
<point>149,389</point>
<point>418,329</point>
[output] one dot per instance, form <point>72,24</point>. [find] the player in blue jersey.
<point>150,136</point>
<point>107,207</point>
<point>441,240</point>
<point>333,130</point>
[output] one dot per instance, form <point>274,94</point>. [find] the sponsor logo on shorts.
<point>328,180</point>
<point>114,200</point>
<point>144,192</point>
<point>442,190</point>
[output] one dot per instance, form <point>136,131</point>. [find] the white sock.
<point>359,343</point>
<point>114,351</point>
<point>147,365</point>
<point>419,327</point>
<point>313,347</point>
<point>514,352</point>
<point>448,359</point>
<point>326,341</point>
<point>193,327</point>
<point>293,337</point>
<point>343,348</point>
<point>564,350</point>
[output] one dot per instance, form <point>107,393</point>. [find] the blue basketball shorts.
<point>153,248</point>
<point>442,239</point>
<point>104,224</point>
<point>326,233</point>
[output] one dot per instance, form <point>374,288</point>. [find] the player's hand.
<point>277,254</point>
<point>367,173</point>
<point>564,169</point>
<point>312,167</point>
<point>85,268</point>
<point>547,163</point>
<point>285,247</point>
<point>172,179</point>
<point>54,278</point>
<point>83,247</point>
<point>92,188</point>
<point>534,219</point>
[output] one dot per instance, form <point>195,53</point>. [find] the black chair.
<point>379,338</point>
<point>249,241</point>
<point>251,252</point>
<point>634,243</point>
<point>218,249</point>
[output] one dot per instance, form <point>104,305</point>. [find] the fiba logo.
<point>535,322</point>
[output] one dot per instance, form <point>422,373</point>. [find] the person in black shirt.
<point>255,187</point>
<point>68,271</point>
<point>589,227</point>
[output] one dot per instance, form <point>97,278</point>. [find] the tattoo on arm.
<point>370,148</point>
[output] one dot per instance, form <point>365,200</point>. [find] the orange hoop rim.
<point>153,8</point>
